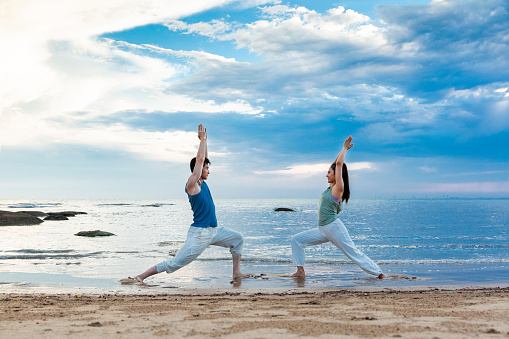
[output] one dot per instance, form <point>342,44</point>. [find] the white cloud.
<point>56,70</point>
<point>28,28</point>
<point>211,29</point>
<point>305,33</point>
<point>307,170</point>
<point>170,146</point>
<point>428,169</point>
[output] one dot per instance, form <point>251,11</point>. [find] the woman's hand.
<point>202,133</point>
<point>348,143</point>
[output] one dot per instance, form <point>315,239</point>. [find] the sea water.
<point>437,241</point>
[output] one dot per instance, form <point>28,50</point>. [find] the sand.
<point>426,313</point>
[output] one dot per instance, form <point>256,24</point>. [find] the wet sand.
<point>481,312</point>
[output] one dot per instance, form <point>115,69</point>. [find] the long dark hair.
<point>344,174</point>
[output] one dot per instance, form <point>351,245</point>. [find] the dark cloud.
<point>425,81</point>
<point>405,72</point>
<point>458,44</point>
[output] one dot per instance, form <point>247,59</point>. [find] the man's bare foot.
<point>382,276</point>
<point>131,281</point>
<point>300,273</point>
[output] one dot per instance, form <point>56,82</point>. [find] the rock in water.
<point>173,253</point>
<point>96,233</point>
<point>56,217</point>
<point>18,219</point>
<point>66,213</point>
<point>35,213</point>
<point>283,209</point>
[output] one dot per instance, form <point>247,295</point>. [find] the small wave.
<point>171,243</point>
<point>33,205</point>
<point>119,204</point>
<point>476,246</point>
<point>40,251</point>
<point>47,256</point>
<point>438,246</point>
<point>348,262</point>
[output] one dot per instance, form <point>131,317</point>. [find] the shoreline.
<point>273,277</point>
<point>292,313</point>
<point>24,283</point>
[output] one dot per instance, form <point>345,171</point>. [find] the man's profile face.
<point>205,172</point>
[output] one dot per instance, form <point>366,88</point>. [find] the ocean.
<point>437,242</point>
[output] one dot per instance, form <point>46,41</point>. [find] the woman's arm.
<point>338,188</point>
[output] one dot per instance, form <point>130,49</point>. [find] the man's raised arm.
<point>192,186</point>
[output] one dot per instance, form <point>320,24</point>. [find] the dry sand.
<point>429,313</point>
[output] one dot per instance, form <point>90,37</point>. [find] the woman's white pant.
<point>198,238</point>
<point>336,233</point>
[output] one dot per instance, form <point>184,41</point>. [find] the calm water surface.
<point>447,241</point>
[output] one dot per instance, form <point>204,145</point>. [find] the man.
<point>203,231</point>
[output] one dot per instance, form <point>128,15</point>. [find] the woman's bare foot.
<point>240,275</point>
<point>300,273</point>
<point>382,276</point>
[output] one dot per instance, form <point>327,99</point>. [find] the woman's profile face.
<point>331,177</point>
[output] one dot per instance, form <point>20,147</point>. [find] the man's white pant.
<point>336,233</point>
<point>198,238</point>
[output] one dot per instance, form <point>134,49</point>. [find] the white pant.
<point>198,238</point>
<point>336,233</point>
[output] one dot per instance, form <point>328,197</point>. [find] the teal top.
<point>328,208</point>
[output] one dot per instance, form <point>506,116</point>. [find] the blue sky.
<point>103,100</point>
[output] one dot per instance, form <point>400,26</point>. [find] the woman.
<point>330,228</point>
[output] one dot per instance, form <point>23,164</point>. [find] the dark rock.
<point>56,217</point>
<point>173,252</point>
<point>96,233</point>
<point>66,213</point>
<point>283,209</point>
<point>35,213</point>
<point>18,219</point>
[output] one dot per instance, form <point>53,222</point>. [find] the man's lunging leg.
<point>235,242</point>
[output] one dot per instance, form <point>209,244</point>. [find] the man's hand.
<point>348,143</point>
<point>202,133</point>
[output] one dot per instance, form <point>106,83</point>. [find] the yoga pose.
<point>203,231</point>
<point>330,228</point>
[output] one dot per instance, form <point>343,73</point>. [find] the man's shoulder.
<point>193,189</point>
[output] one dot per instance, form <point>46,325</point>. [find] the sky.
<point>102,99</point>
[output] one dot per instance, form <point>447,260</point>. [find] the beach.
<point>481,312</point>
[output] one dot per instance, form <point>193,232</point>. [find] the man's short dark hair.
<point>193,162</point>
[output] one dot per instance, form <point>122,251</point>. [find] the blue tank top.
<point>204,211</point>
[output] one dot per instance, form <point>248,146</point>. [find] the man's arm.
<point>192,186</point>
<point>338,188</point>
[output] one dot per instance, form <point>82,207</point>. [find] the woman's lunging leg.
<point>337,233</point>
